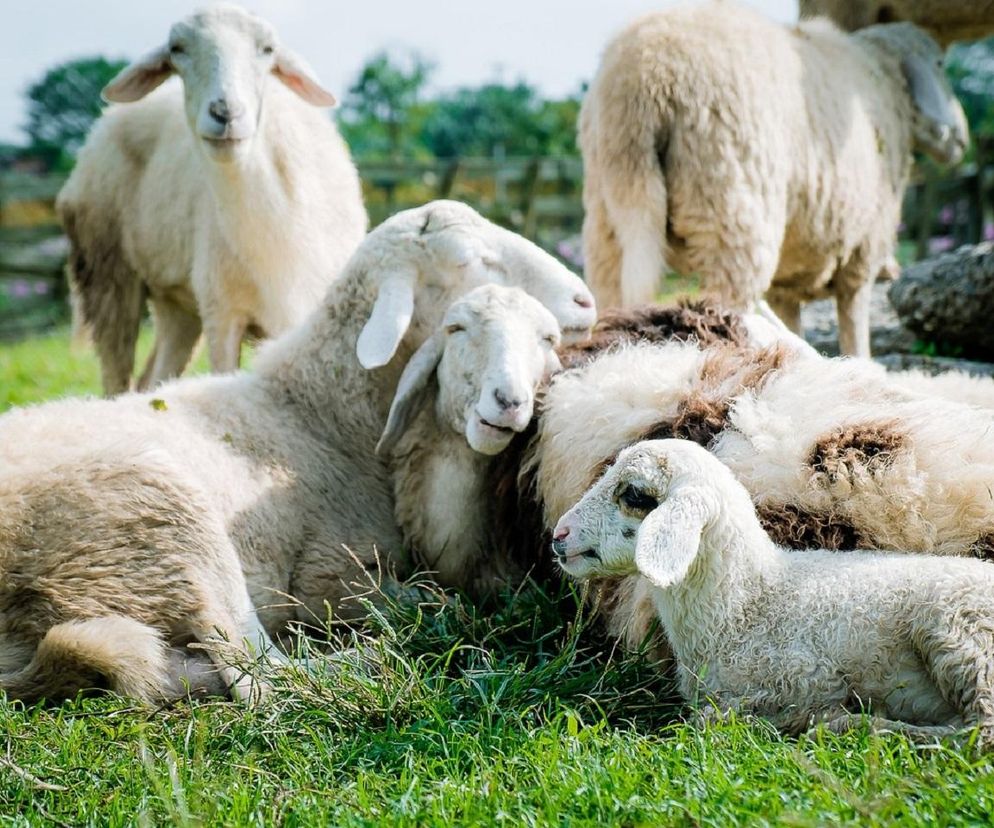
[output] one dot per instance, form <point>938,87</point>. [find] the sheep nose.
<point>562,534</point>
<point>505,403</point>
<point>222,111</point>
<point>559,547</point>
<point>583,301</point>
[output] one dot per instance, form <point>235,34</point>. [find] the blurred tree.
<point>970,67</point>
<point>65,102</point>
<point>379,115</point>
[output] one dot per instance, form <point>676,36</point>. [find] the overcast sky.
<point>551,43</point>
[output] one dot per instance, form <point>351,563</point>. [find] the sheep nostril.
<point>559,547</point>
<point>504,402</point>
<point>219,111</point>
<point>583,301</point>
<point>562,534</point>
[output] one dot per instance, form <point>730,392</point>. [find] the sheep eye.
<point>268,50</point>
<point>551,339</point>
<point>177,49</point>
<point>637,500</point>
<point>454,329</point>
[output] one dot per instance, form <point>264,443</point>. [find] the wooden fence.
<point>538,197</point>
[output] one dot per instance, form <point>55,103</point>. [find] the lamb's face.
<point>499,346</point>
<point>225,58</point>
<point>598,535</point>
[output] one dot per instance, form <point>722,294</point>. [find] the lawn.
<point>519,715</point>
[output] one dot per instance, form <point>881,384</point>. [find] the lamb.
<point>799,638</point>
<point>230,205</point>
<point>783,174</point>
<point>946,20</point>
<point>274,471</point>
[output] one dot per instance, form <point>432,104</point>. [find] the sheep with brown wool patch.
<point>799,638</point>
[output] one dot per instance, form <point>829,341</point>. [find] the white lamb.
<point>796,637</point>
<point>267,482</point>
<point>230,203</point>
<point>761,157</point>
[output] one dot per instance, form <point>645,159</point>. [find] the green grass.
<point>521,715</point>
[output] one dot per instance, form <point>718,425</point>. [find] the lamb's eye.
<point>454,329</point>
<point>637,500</point>
<point>550,340</point>
<point>267,50</point>
<point>177,49</point>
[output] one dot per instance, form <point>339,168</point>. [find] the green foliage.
<point>63,104</point>
<point>970,68</point>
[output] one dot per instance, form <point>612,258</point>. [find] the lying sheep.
<point>277,466</point>
<point>231,204</point>
<point>759,156</point>
<point>796,637</point>
<point>946,20</point>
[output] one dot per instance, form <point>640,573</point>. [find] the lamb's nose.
<point>506,403</point>
<point>583,301</point>
<point>223,111</point>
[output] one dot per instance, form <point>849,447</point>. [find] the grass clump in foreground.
<point>455,716</point>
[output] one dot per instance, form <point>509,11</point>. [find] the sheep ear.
<point>411,390</point>
<point>297,75</point>
<point>387,324</point>
<point>668,540</point>
<point>928,93</point>
<point>134,82</point>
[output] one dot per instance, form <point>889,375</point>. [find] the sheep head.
<point>225,58</point>
<point>645,515</point>
<point>495,346</point>
<point>939,127</point>
<point>424,259</point>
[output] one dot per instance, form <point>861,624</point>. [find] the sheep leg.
<point>601,251</point>
<point>852,301</point>
<point>787,309</point>
<point>176,335</point>
<point>918,734</point>
<point>224,343</point>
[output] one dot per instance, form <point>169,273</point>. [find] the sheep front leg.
<point>176,335</point>
<point>852,301</point>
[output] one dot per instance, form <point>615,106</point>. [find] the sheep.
<point>946,20</point>
<point>494,347</point>
<point>781,174</point>
<point>230,204</point>
<point>799,638</point>
<point>274,470</point>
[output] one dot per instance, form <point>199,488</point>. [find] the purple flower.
<point>940,244</point>
<point>42,288</point>
<point>19,289</point>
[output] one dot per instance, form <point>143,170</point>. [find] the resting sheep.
<point>947,20</point>
<point>762,157</point>
<point>230,205</point>
<point>796,637</point>
<point>274,471</point>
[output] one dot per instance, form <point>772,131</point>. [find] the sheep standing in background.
<point>230,205</point>
<point>275,472</point>
<point>799,638</point>
<point>946,20</point>
<point>759,156</point>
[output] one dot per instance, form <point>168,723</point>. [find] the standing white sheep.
<point>761,157</point>
<point>799,638</point>
<point>230,204</point>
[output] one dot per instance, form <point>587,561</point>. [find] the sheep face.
<point>429,256</point>
<point>939,126</point>
<point>225,58</point>
<point>646,515</point>
<point>495,346</point>
<point>499,346</point>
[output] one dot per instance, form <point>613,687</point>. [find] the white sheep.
<point>271,477</point>
<point>762,157</point>
<point>230,204</point>
<point>947,20</point>
<point>796,637</point>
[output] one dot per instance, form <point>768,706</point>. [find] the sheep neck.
<point>734,564</point>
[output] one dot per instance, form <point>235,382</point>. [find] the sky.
<point>553,44</point>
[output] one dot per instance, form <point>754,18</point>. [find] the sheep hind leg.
<point>602,253</point>
<point>176,335</point>
<point>852,302</point>
<point>918,734</point>
<point>787,310</point>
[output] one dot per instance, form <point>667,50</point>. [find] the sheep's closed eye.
<point>451,329</point>
<point>637,500</point>
<point>550,339</point>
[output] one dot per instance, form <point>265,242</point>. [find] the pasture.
<point>524,715</point>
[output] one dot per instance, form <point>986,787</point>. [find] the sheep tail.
<point>107,296</point>
<point>111,652</point>
<point>635,192</point>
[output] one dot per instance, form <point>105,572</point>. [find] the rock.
<point>949,299</point>
<point>935,365</point>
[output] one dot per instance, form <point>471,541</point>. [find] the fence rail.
<point>538,197</point>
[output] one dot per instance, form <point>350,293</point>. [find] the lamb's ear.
<point>414,384</point>
<point>294,72</point>
<point>389,321</point>
<point>928,93</point>
<point>668,539</point>
<point>134,82</point>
